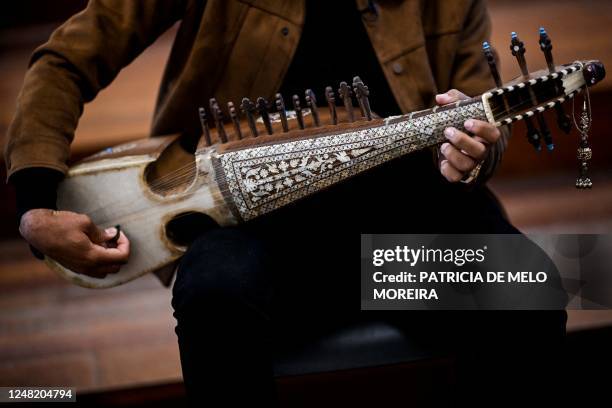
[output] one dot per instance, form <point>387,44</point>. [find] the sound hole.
<point>185,227</point>
<point>173,172</point>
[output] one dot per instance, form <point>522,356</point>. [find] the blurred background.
<point>53,333</point>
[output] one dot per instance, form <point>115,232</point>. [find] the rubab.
<point>251,159</point>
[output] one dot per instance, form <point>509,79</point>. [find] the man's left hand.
<point>462,153</point>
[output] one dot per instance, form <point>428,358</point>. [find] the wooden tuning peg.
<point>518,51</point>
<point>217,115</point>
<point>262,108</point>
<point>345,94</point>
<point>280,107</point>
<point>331,102</point>
<point>248,107</point>
<point>361,93</point>
<point>204,125</point>
<point>234,118</point>
<point>563,120</point>
<point>488,53</point>
<point>297,107</point>
<point>311,102</point>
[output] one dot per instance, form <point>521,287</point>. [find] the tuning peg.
<point>361,93</point>
<point>262,108</point>
<point>488,53</point>
<point>533,134</point>
<point>345,94</point>
<point>518,50</point>
<point>563,120</point>
<point>311,101</point>
<point>234,117</point>
<point>297,107</point>
<point>280,107</point>
<point>204,125</point>
<point>217,115</point>
<point>248,107</point>
<point>546,47</point>
<point>331,102</point>
<point>546,135</point>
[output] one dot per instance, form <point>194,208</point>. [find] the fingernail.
<point>449,132</point>
<point>111,231</point>
<point>469,124</point>
<point>444,147</point>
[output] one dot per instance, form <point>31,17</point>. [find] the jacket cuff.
<point>35,187</point>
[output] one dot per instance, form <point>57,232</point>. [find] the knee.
<point>222,268</point>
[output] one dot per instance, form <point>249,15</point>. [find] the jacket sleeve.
<point>471,75</point>
<point>80,58</point>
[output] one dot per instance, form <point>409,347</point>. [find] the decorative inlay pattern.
<point>260,179</point>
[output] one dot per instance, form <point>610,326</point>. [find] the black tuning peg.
<point>234,118</point>
<point>490,57</point>
<point>488,53</point>
<point>345,94</point>
<point>563,120</point>
<point>204,124</point>
<point>297,107</point>
<point>311,101</point>
<point>248,107</point>
<point>217,115</point>
<point>533,135</point>
<point>361,93</point>
<point>546,47</point>
<point>518,50</point>
<point>331,102</point>
<point>546,135</point>
<point>262,108</point>
<point>282,112</point>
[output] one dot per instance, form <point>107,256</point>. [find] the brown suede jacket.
<point>230,49</point>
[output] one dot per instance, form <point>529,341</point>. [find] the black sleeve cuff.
<point>35,187</point>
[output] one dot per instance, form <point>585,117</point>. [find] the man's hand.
<point>462,153</point>
<point>74,241</point>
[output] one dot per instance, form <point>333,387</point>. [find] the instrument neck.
<point>258,179</point>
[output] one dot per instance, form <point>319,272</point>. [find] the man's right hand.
<point>75,241</point>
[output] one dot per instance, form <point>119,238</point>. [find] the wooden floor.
<point>52,333</point>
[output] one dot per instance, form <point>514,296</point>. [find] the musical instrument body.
<point>147,185</point>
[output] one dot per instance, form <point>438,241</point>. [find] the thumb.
<point>450,96</point>
<point>97,235</point>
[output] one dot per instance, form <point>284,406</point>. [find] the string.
<point>185,173</point>
<point>524,104</point>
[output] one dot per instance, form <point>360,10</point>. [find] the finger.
<point>483,129</point>
<point>457,159</point>
<point>110,233</point>
<point>450,96</point>
<point>123,244</point>
<point>449,172</point>
<point>117,255</point>
<point>462,141</point>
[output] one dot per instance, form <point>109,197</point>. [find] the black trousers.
<point>242,292</point>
